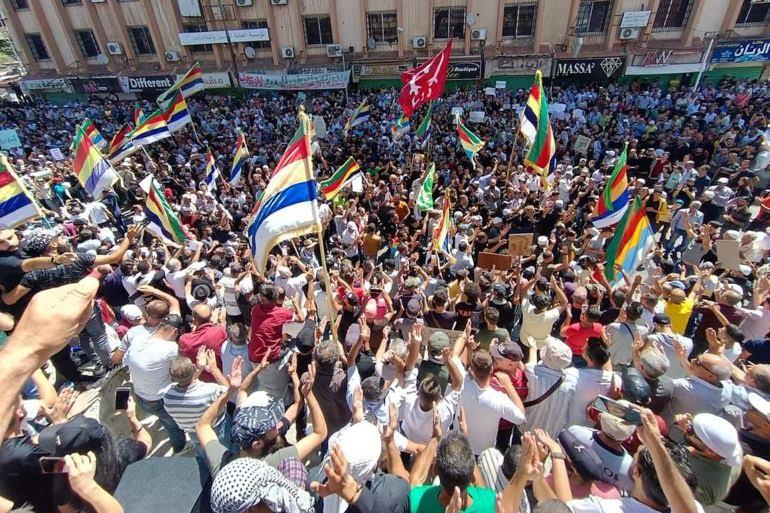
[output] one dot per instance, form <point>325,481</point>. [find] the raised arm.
<point>311,442</point>
<point>173,302</point>
<point>117,256</point>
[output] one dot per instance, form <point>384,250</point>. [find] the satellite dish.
<point>250,52</point>
<point>470,19</point>
<point>371,44</point>
<point>102,59</point>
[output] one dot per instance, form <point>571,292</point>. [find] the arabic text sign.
<point>757,50</point>
<point>9,139</point>
<point>286,82</point>
<point>202,38</point>
<point>520,244</point>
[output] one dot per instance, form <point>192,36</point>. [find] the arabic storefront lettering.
<point>525,65</point>
<point>47,84</point>
<point>298,82</point>
<point>213,80</point>
<point>665,62</point>
<point>757,50</point>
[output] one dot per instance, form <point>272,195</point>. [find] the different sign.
<point>9,139</point>
<point>757,50</point>
<point>146,83</point>
<point>635,19</point>
<point>298,82</point>
<point>525,64</point>
<point>598,69</point>
<point>581,144</point>
<point>463,71</point>
<point>56,154</point>
<point>95,85</point>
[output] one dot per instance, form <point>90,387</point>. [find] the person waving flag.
<point>535,127</point>
<point>360,115</point>
<point>613,202</point>
<point>212,173</point>
<point>471,142</point>
<point>239,159</point>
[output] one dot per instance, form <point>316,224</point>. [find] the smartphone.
<point>52,465</point>
<point>121,398</point>
<point>606,405</point>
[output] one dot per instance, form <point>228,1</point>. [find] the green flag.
<point>425,198</point>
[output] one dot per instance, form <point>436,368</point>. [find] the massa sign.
<point>598,69</point>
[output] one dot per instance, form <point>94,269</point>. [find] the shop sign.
<point>463,71</point>
<point>47,84</point>
<point>146,83</point>
<point>597,69</point>
<point>295,82</point>
<point>525,64</point>
<point>202,38</point>
<point>665,61</point>
<point>757,50</point>
<point>95,85</point>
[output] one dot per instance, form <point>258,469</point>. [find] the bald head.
<point>717,365</point>
<point>677,296</point>
<point>201,314</point>
<point>155,310</point>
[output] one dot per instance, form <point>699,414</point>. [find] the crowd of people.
<point>405,378</point>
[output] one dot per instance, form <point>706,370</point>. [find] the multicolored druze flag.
<point>425,196</point>
<point>441,239</point>
<point>94,172</point>
<point>138,114</point>
<point>632,240</point>
<point>613,202</point>
<point>536,128</point>
<point>153,128</point>
<point>162,220</point>
<point>424,128</point>
<point>212,173</point>
<point>189,84</point>
<point>93,133</point>
<point>239,159</point>
<point>361,114</point>
<point>17,205</point>
<point>176,113</point>
<point>471,142</point>
<point>341,178</point>
<point>401,127</point>
<point>121,145</point>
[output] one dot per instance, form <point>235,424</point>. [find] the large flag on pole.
<point>470,142</point>
<point>441,239</point>
<point>425,196</point>
<point>93,133</point>
<point>17,205</point>
<point>94,172</point>
<point>536,128</point>
<point>162,220</point>
<point>138,114</point>
<point>239,159</point>
<point>613,202</point>
<point>424,128</point>
<point>152,129</point>
<point>288,206</point>
<point>340,179</point>
<point>176,113</point>
<point>212,173</point>
<point>631,242</point>
<point>189,84</point>
<point>425,82</point>
<point>401,127</point>
<point>121,145</point>
<point>361,114</point>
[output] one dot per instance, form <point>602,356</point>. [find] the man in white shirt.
<point>596,379</point>
<point>149,364</point>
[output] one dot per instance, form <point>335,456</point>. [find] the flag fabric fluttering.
<point>340,179</point>
<point>424,128</point>
<point>632,240</point>
<point>94,172</point>
<point>138,114</point>
<point>289,205</point>
<point>152,129</point>
<point>17,205</point>
<point>359,116</point>
<point>190,83</point>
<point>176,114</point>
<point>162,221</point>
<point>239,159</point>
<point>212,172</point>
<point>470,142</point>
<point>93,133</point>
<point>536,128</point>
<point>613,202</point>
<point>121,145</point>
<point>425,82</point>
<point>441,239</point>
<point>401,127</point>
<point>425,196</point>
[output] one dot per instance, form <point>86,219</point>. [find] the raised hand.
<point>236,373</point>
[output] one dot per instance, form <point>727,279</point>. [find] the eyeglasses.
<point>700,364</point>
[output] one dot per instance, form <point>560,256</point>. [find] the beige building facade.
<point>493,40</point>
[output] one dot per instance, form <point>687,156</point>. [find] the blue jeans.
<point>175,434</point>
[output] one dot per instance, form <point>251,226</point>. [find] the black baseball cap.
<point>173,320</point>
<point>79,434</point>
<point>661,318</point>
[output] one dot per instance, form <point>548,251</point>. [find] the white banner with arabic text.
<point>300,82</point>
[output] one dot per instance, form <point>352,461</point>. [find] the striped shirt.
<point>187,404</point>
<point>551,414</point>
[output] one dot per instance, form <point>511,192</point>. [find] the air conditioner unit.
<point>287,52</point>
<point>334,50</point>
<point>115,48</point>
<point>419,42</point>
<point>172,56</point>
<point>628,33</point>
<point>479,34</point>
<point>279,2</point>
<point>244,3</point>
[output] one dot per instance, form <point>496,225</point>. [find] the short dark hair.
<point>440,298</point>
<point>455,462</point>
<point>430,388</point>
<point>634,310</point>
<point>735,333</point>
<point>597,351</point>
<point>472,292</point>
<point>269,292</point>
<point>540,302</point>
<point>492,313</point>
<point>551,506</point>
<point>511,460</point>
<point>482,363</point>
<point>649,476</point>
<point>593,313</point>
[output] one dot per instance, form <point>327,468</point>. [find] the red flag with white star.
<point>425,82</point>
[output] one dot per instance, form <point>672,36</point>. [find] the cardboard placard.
<point>9,139</point>
<point>56,154</point>
<point>494,260</point>
<point>319,124</point>
<point>729,254</point>
<point>520,244</point>
<point>489,91</point>
<point>501,84</point>
<point>457,111</point>
<point>581,144</point>
<point>476,116</point>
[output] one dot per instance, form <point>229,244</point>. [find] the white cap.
<point>718,435</point>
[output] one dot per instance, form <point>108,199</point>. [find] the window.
<point>197,25</point>
<point>256,24</point>
<point>141,40</point>
<point>71,2</point>
<point>519,20</point>
<point>318,30</point>
<point>449,23</point>
<point>382,26</point>
<point>672,15</point>
<point>87,43</point>
<point>593,16</point>
<point>753,14</point>
<point>19,4</point>
<point>37,47</point>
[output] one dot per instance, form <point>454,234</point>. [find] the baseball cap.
<point>412,282</point>
<point>413,307</point>
<point>718,435</point>
<point>584,458</point>
<point>615,427</point>
<point>436,343</point>
<point>635,388</point>
<point>661,318</point>
<point>677,284</point>
<point>507,349</point>
<point>760,404</point>
<point>131,312</point>
<point>173,320</point>
<point>500,290</point>
<point>557,355</point>
<point>79,434</point>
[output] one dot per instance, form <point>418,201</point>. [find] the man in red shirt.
<point>576,335</point>
<point>267,320</point>
<point>205,334</point>
<point>507,359</point>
